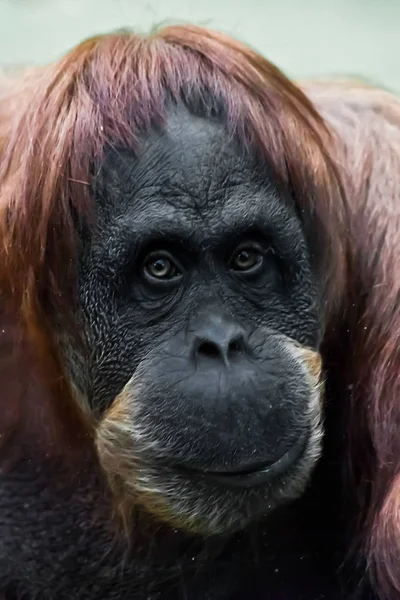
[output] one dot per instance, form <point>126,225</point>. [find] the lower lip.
<point>261,476</point>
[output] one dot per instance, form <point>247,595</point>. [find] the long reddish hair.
<point>55,124</point>
<point>368,121</point>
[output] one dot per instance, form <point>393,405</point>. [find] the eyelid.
<point>161,252</point>
<point>248,245</point>
<point>166,254</point>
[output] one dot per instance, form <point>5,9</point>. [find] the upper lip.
<point>254,474</point>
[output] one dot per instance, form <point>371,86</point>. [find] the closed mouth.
<point>255,475</point>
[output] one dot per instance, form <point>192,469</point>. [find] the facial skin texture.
<point>218,364</point>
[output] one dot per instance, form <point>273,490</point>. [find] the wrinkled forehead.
<point>190,164</point>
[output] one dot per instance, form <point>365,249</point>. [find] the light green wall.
<point>304,37</point>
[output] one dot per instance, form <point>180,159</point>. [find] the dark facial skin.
<point>196,271</point>
<point>196,196</point>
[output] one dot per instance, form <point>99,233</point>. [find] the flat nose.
<point>219,339</point>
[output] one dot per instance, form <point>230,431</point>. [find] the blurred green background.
<point>304,37</point>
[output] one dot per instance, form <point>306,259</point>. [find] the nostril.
<point>219,342</point>
<point>214,350</point>
<point>209,349</point>
<point>235,347</point>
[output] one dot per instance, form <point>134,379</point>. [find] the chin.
<point>213,503</point>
